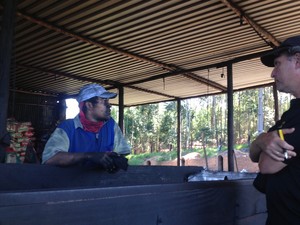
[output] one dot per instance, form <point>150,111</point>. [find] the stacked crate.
<point>22,134</point>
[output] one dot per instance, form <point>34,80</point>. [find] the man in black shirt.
<point>279,158</point>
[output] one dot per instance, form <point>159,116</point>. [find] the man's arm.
<point>58,142</point>
<point>267,143</point>
<point>121,145</point>
<point>56,153</point>
<point>268,149</point>
<point>255,151</point>
<point>67,159</point>
<point>267,165</point>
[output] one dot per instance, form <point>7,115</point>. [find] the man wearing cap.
<point>279,157</point>
<point>92,137</point>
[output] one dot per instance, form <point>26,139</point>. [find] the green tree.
<point>153,127</point>
<point>168,125</point>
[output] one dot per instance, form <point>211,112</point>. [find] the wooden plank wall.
<point>150,196</point>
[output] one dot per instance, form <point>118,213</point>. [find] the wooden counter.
<point>144,195</point>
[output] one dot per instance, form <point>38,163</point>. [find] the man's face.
<point>285,74</point>
<point>101,110</point>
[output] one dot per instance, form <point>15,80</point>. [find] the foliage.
<point>152,128</point>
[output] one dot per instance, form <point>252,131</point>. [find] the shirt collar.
<point>77,122</point>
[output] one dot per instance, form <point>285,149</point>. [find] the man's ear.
<point>88,105</point>
<point>297,57</point>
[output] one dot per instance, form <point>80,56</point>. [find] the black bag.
<point>260,182</point>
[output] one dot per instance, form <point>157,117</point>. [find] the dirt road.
<point>242,162</point>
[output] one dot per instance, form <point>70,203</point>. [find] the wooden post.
<point>275,95</point>
<point>260,116</point>
<point>178,132</point>
<point>220,163</point>
<point>230,117</point>
<point>6,38</point>
<point>204,149</point>
<point>121,108</point>
<point>182,161</point>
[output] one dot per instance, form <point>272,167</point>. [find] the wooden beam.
<point>32,93</point>
<point>7,29</point>
<point>230,126</point>
<point>251,22</point>
<point>107,82</point>
<point>87,40</point>
<point>71,76</point>
<point>121,108</point>
<point>178,132</point>
<point>151,92</point>
<point>205,67</point>
<point>205,81</point>
<point>276,105</point>
<point>110,48</point>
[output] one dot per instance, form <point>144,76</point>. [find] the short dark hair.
<point>290,51</point>
<point>93,100</point>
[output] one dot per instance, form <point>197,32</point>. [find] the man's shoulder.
<point>110,122</point>
<point>67,124</point>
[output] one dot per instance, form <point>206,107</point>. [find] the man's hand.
<point>271,144</point>
<point>274,147</point>
<point>104,160</point>
<point>110,161</point>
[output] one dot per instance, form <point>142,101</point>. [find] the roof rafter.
<point>242,15</point>
<point>107,82</point>
<point>152,92</point>
<point>217,65</point>
<point>71,76</point>
<point>164,66</point>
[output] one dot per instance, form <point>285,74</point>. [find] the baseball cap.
<point>268,59</point>
<point>93,90</point>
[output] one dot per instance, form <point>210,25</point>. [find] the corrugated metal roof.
<point>157,50</point>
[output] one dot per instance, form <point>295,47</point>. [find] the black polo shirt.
<point>283,188</point>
